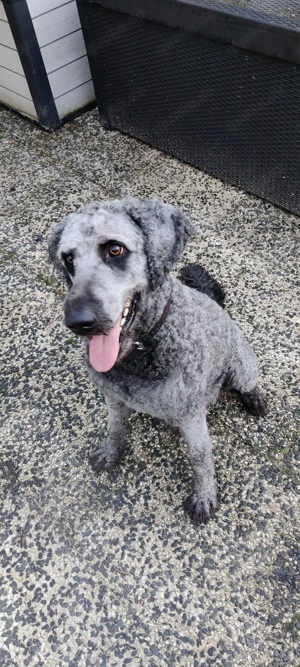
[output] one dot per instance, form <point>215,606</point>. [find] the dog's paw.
<point>254,402</point>
<point>104,457</point>
<point>200,508</point>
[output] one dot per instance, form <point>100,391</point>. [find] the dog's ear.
<point>52,251</point>
<point>165,229</point>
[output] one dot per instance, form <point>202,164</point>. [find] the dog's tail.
<point>195,276</point>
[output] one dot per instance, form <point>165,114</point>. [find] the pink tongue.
<point>104,350</point>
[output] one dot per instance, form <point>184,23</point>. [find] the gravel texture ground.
<point>107,571</point>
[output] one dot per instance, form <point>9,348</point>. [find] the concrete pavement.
<point>107,571</point>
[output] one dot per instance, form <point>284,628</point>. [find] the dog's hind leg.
<point>242,377</point>
<point>110,448</point>
<point>202,503</point>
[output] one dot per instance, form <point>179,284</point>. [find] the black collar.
<point>157,326</point>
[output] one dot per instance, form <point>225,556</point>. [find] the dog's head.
<point>109,253</point>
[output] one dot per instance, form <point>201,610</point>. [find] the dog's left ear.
<point>165,229</point>
<point>52,250</point>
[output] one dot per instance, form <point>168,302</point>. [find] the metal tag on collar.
<point>139,345</point>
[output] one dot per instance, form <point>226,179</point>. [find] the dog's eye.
<point>115,250</point>
<point>114,254</point>
<point>69,259</point>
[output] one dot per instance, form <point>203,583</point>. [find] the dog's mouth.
<point>104,348</point>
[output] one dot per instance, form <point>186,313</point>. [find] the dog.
<point>154,344</point>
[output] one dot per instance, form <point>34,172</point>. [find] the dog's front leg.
<point>202,503</point>
<point>111,447</point>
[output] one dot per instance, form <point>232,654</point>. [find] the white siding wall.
<point>14,89</point>
<point>58,31</point>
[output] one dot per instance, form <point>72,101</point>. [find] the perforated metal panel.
<point>229,111</point>
<point>286,12</point>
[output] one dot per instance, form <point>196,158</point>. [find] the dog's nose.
<point>81,320</point>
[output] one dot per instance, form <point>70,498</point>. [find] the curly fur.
<point>180,370</point>
<point>197,277</point>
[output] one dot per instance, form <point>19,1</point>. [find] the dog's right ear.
<point>165,229</point>
<point>52,251</point>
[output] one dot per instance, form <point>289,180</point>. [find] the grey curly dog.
<point>153,344</point>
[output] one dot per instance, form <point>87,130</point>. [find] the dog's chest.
<point>161,398</point>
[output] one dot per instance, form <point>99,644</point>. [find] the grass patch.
<point>51,281</point>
